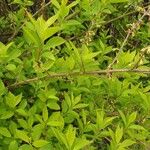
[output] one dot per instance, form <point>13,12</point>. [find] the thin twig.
<point>142,54</point>
<point>130,32</point>
<point>120,50</point>
<point>125,14</point>
<point>69,17</point>
<point>64,74</point>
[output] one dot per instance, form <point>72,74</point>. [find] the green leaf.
<point>30,121</point>
<point>55,3</point>
<point>100,119</point>
<point>73,4</point>
<point>123,117</point>
<point>40,27</point>
<point>13,145</point>
<point>45,114</point>
<point>30,36</point>
<point>51,31</point>
<point>37,131</point>
<point>56,120</point>
<point>118,1</point>
<point>12,127</point>
<point>4,48</point>
<point>22,135</point>
<point>5,132</point>
<point>68,100</point>
<point>60,136</point>
<point>81,143</point>
<point>63,10</point>
<point>7,115</point>
<point>53,105</point>
<point>54,41</point>
<point>50,56</point>
<point>77,99</point>
<point>108,121</point>
<point>11,67</point>
<point>118,134</point>
<point>132,118</point>
<point>31,18</point>
<point>70,23</point>
<point>26,147</point>
<point>136,127</point>
<point>80,106</point>
<point>23,123</point>
<point>127,143</point>
<point>51,20</point>
<point>70,63</point>
<point>40,143</point>
<point>76,53</point>
<point>2,88</point>
<point>70,135</point>
<point>22,112</point>
<point>12,100</point>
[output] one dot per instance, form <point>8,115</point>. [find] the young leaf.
<point>37,131</point>
<point>118,134</point>
<point>2,88</point>
<point>60,136</point>
<point>70,136</point>
<point>50,31</point>
<point>53,105</point>
<point>80,106</point>
<point>23,123</point>
<point>127,143</point>
<point>132,118</point>
<point>77,99</point>
<point>11,67</point>
<point>13,145</point>
<point>123,117</point>
<point>108,121</point>
<point>40,143</point>
<point>51,20</point>
<point>30,36</point>
<point>31,18</point>
<point>45,114</point>
<point>22,135</point>
<point>5,132</point>
<point>136,127</point>
<point>56,120</point>
<point>26,147</point>
<point>118,1</point>
<point>12,100</point>
<point>81,143</point>
<point>55,3</point>
<point>73,4</point>
<point>54,41</point>
<point>6,114</point>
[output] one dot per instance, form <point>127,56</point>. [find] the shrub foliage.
<point>74,75</point>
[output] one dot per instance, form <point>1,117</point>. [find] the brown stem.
<point>64,74</point>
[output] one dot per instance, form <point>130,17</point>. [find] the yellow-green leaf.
<point>40,143</point>
<point>5,132</point>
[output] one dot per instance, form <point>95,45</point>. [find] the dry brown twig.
<point>143,51</point>
<point>130,32</point>
<point>70,16</point>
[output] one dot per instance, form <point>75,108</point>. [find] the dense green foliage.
<point>76,77</point>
